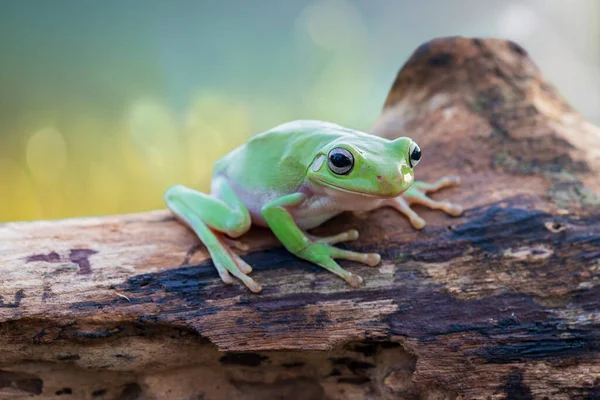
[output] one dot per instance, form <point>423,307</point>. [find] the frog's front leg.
<point>316,250</point>
<point>211,216</point>
<point>418,194</point>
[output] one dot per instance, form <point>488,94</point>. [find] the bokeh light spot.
<point>333,24</point>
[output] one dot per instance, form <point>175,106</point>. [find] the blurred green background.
<point>104,104</point>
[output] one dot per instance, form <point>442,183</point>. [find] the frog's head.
<point>367,165</point>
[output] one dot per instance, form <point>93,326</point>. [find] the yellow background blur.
<point>104,104</point>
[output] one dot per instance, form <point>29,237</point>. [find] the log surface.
<point>502,302</point>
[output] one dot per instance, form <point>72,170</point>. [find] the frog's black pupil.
<point>340,160</point>
<point>416,154</point>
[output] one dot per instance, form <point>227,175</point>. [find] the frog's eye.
<point>340,161</point>
<point>414,154</point>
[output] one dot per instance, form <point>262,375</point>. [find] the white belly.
<point>321,204</point>
<point>327,203</point>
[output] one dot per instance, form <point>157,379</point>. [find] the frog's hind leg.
<point>210,217</point>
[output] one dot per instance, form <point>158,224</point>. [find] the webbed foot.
<point>418,194</point>
<point>322,253</point>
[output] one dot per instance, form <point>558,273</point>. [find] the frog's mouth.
<point>365,194</point>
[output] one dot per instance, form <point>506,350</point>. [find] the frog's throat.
<point>341,189</point>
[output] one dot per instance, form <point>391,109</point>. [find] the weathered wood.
<point>502,302</point>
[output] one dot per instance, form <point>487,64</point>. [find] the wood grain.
<point>502,302</point>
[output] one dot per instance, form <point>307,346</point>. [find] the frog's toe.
<point>249,282</point>
<point>403,206</point>
<point>371,259</point>
<point>416,221</point>
<point>424,187</point>
<point>254,287</point>
<point>351,234</point>
<point>454,209</point>
<point>235,244</point>
<point>354,280</point>
<point>225,277</point>
<point>243,266</point>
<point>238,261</point>
<point>222,270</point>
<point>230,263</point>
<point>449,181</point>
<point>329,264</point>
<point>442,183</point>
<point>449,208</point>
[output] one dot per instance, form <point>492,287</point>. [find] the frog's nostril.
<point>380,178</point>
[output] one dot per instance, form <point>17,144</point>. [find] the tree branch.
<point>501,302</point>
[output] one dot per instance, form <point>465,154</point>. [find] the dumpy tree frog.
<point>293,178</point>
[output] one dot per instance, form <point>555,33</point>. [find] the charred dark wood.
<point>502,302</point>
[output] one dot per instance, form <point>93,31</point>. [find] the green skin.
<point>284,179</point>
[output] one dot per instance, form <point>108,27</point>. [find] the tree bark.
<point>502,302</point>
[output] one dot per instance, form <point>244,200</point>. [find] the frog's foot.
<point>421,189</point>
<point>211,218</point>
<point>323,255</point>
<point>227,244</point>
<point>351,234</point>
<point>227,262</point>
<point>418,194</point>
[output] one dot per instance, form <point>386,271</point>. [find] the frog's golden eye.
<point>414,154</point>
<point>340,161</point>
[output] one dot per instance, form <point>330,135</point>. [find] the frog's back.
<point>279,157</point>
